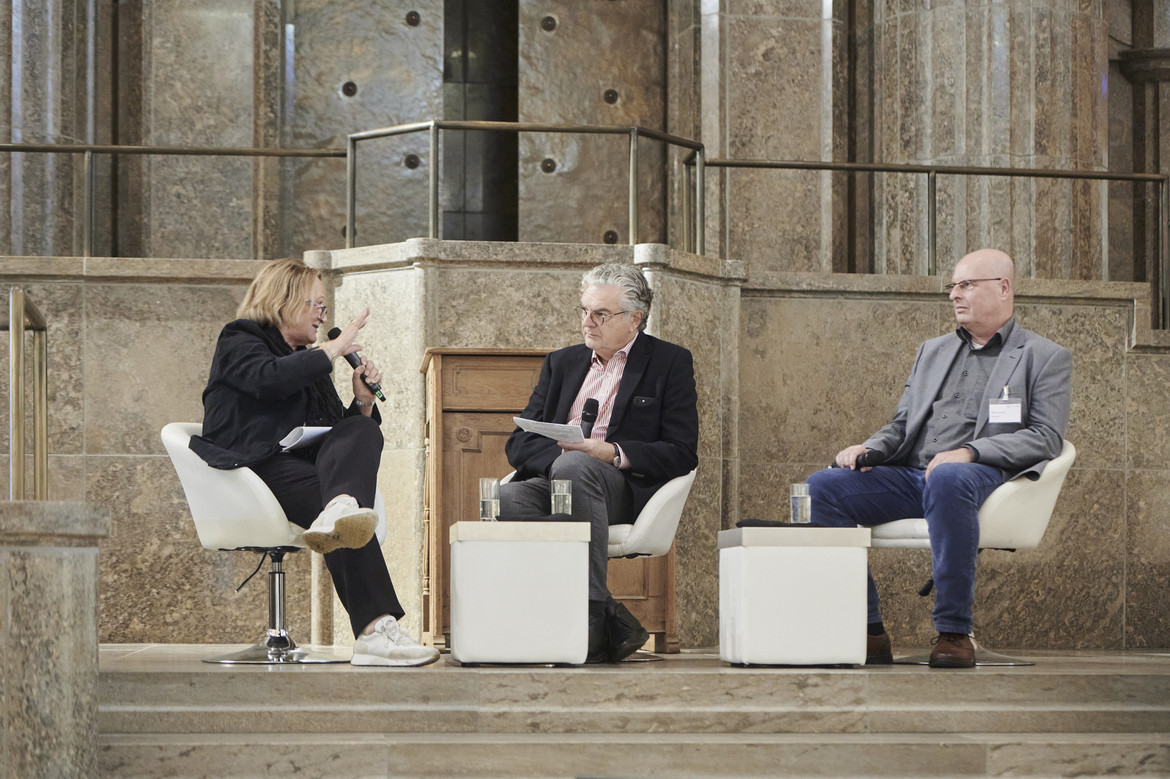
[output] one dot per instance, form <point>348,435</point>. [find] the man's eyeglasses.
<point>966,284</point>
<point>598,318</point>
<point>322,309</point>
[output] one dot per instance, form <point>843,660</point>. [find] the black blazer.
<point>258,390</point>
<point>655,419</point>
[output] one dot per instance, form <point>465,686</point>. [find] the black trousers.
<point>346,463</point>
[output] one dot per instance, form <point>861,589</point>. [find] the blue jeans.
<point>949,501</point>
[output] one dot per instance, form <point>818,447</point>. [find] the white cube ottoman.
<point>792,595</point>
<point>519,592</point>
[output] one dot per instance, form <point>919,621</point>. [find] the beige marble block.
<point>476,295</point>
<point>48,638</point>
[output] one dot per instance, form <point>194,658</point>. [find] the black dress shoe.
<point>878,650</point>
<point>626,634</point>
<point>598,651</point>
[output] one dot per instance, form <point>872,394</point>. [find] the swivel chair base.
<point>278,648</point>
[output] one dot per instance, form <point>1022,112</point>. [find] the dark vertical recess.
<point>859,224</point>
<point>480,62</point>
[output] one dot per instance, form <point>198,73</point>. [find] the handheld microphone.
<point>867,459</point>
<point>588,416</point>
<point>356,361</point>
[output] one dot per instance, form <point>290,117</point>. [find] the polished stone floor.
<point>189,657</point>
<point>163,712</point>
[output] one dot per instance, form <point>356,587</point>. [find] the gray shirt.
<point>955,410</point>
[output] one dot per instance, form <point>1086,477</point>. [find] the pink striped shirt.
<point>602,383</point>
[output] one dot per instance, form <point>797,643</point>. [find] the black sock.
<point>875,628</point>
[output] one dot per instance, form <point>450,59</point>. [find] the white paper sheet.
<point>302,436</point>
<point>551,430</point>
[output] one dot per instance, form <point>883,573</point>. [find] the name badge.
<point>1005,412</point>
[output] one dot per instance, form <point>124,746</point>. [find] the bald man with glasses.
<point>984,404</point>
<point>645,434</point>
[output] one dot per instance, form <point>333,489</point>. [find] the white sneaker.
<point>341,525</point>
<point>389,644</point>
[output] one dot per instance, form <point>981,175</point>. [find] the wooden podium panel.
<point>472,395</point>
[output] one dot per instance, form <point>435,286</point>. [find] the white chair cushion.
<point>1014,516</point>
<point>234,508</point>
<point>653,531</point>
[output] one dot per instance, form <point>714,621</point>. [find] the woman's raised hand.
<point>343,344</point>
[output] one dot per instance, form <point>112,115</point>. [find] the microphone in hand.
<point>588,416</point>
<point>867,459</point>
<point>356,361</point>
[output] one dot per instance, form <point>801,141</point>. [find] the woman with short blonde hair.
<point>267,378</point>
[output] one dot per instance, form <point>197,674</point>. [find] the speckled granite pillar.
<point>1005,84</point>
<point>42,100</point>
<point>774,85</point>
<point>48,637</point>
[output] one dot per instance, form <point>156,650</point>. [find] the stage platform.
<point>1088,713</point>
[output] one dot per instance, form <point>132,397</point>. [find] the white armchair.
<point>234,510</point>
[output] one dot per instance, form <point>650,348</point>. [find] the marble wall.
<point>360,65</point>
<point>259,73</point>
<point>1094,580</point>
<point>130,342</point>
<point>573,187</point>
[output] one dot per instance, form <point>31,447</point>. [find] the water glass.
<point>800,504</point>
<point>489,499</point>
<point>562,496</point>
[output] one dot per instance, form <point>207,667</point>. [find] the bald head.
<point>983,295</point>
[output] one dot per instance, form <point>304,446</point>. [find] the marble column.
<point>773,84</point>
<point>48,638</point>
<point>1148,70</point>
<point>45,98</point>
<point>1006,84</point>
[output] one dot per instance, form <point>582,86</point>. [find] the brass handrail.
<point>23,315</point>
<point>1161,285</point>
<point>87,150</point>
<point>433,127</point>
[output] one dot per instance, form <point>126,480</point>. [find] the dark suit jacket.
<point>257,391</point>
<point>655,418</point>
<point>1035,370</point>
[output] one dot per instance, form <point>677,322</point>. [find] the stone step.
<point>630,755</point>
<point>689,695</point>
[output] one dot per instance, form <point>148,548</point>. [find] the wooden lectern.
<point>472,395</point>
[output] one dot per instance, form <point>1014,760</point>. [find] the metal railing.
<point>1162,182</point>
<point>695,164</point>
<point>434,126</point>
<point>23,315</point>
<point>89,150</point>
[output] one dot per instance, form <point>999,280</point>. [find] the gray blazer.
<point>1035,370</point>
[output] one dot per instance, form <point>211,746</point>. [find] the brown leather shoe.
<point>877,650</point>
<point>952,650</point>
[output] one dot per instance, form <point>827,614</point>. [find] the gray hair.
<point>629,279</point>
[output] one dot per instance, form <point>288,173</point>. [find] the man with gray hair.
<point>646,433</point>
